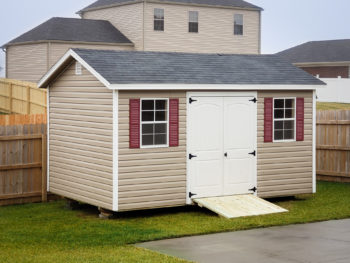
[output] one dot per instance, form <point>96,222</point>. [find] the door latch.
<point>254,100</point>
<point>253,189</point>
<point>192,100</point>
<point>253,153</point>
<point>192,156</point>
<point>225,154</point>
<point>191,194</point>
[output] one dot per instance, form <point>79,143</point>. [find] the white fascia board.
<point>70,53</point>
<point>189,87</point>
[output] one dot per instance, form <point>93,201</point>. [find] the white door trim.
<point>213,94</point>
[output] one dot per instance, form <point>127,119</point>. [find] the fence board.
<point>19,97</point>
<point>22,159</point>
<point>333,145</point>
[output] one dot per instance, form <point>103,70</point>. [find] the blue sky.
<point>286,23</point>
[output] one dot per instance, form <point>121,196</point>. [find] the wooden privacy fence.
<point>23,159</point>
<point>19,97</point>
<point>333,145</point>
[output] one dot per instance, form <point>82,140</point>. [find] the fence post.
<point>44,168</point>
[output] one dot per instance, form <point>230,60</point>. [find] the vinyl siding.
<point>127,18</point>
<point>215,30</point>
<point>285,168</point>
<point>57,50</point>
<point>27,62</point>
<point>151,178</point>
<point>81,139</point>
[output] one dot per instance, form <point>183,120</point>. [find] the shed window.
<point>284,119</point>
<point>154,122</point>
<point>238,24</point>
<point>193,22</point>
<point>78,68</point>
<point>158,19</point>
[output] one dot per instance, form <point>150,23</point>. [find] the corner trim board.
<point>314,142</point>
<point>115,149</point>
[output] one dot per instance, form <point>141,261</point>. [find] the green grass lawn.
<point>332,106</point>
<point>51,233</point>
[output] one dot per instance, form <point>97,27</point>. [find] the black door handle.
<point>192,156</point>
<point>253,153</point>
<point>225,154</point>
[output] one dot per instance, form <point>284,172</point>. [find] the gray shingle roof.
<point>132,67</point>
<point>73,29</point>
<point>318,51</point>
<point>227,3</point>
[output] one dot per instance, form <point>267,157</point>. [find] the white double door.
<point>222,134</point>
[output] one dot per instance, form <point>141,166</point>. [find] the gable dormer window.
<point>158,19</point>
<point>238,24</point>
<point>193,22</point>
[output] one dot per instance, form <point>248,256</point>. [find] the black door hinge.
<point>254,100</point>
<point>192,100</point>
<point>254,189</point>
<point>191,194</point>
<point>192,156</point>
<point>253,153</point>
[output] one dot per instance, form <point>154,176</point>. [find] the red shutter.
<point>134,123</point>
<point>174,122</point>
<point>268,119</point>
<point>300,119</point>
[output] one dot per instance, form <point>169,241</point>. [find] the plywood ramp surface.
<point>239,206</point>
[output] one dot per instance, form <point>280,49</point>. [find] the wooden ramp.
<point>239,206</point>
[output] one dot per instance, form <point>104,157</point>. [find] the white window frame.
<point>234,24</point>
<point>78,68</point>
<point>154,122</point>
<point>189,21</point>
<point>284,119</point>
<point>154,19</point>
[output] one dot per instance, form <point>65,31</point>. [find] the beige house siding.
<point>215,30</point>
<point>127,18</point>
<point>81,139</point>
<point>285,168</point>
<point>27,62</point>
<point>57,50</point>
<point>151,178</point>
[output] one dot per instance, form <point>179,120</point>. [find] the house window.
<point>78,68</point>
<point>193,22</point>
<point>158,19</point>
<point>284,119</point>
<point>238,24</point>
<point>154,122</point>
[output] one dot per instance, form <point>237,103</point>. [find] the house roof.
<point>319,51</point>
<point>133,67</point>
<point>222,3</point>
<point>73,29</point>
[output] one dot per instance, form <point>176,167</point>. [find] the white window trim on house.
<point>284,119</point>
<point>234,25</point>
<point>78,68</point>
<point>157,19</point>
<point>155,122</point>
<point>193,21</point>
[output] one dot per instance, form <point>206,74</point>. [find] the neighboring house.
<point>203,26</point>
<point>142,130</point>
<point>328,60</point>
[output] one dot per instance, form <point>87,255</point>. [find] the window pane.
<point>160,139</point>
<point>147,140</point>
<point>148,105</point>
<point>238,30</point>
<point>238,19</point>
<point>193,16</point>
<point>289,114</point>
<point>279,114</point>
<point>278,125</point>
<point>148,116</point>
<point>288,134</point>
<point>289,103</point>
<point>161,116</point>
<point>147,128</point>
<point>159,25</point>
<point>193,27</point>
<point>289,125</point>
<point>238,24</point>
<point>278,135</point>
<point>161,128</point>
<point>158,13</point>
<point>161,105</point>
<point>279,104</point>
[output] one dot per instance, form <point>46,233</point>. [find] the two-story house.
<point>199,26</point>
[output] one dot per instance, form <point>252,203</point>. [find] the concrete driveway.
<point>316,242</point>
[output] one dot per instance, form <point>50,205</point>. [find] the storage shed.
<point>142,130</point>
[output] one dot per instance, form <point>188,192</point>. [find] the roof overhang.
<point>321,64</point>
<point>67,59</point>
